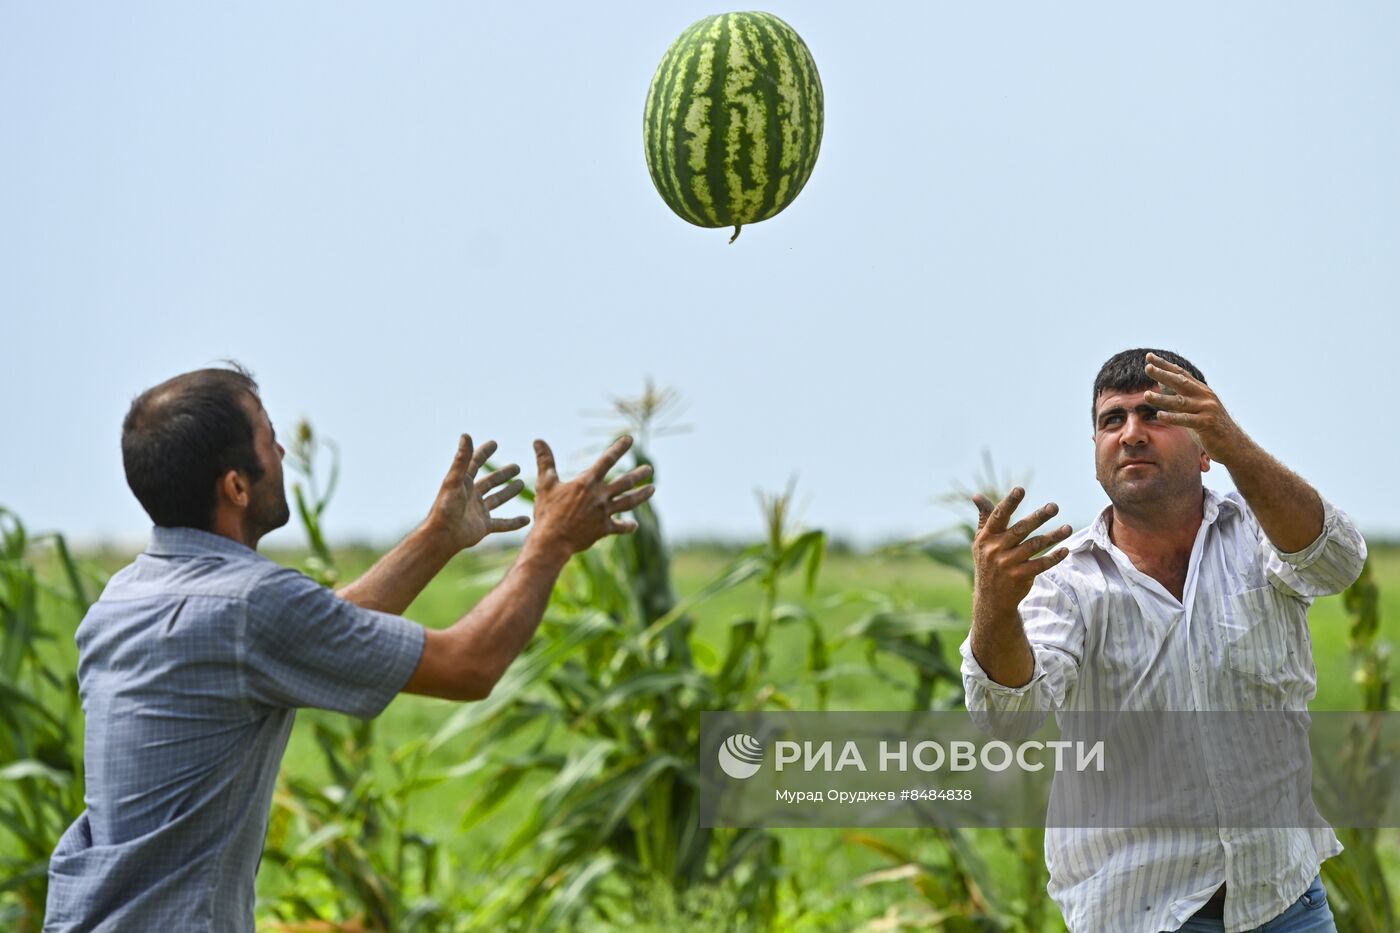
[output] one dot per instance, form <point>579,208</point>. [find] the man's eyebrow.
<point>1140,408</point>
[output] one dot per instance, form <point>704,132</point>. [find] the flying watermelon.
<point>733,120</point>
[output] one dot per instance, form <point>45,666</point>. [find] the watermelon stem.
<point>737,228</point>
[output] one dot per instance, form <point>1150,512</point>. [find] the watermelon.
<point>733,120</point>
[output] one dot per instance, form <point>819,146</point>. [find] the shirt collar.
<point>1097,534</point>
<point>191,542</point>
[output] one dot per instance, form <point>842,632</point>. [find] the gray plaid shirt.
<point>191,667</point>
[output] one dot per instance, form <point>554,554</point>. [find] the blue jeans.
<point>1309,914</point>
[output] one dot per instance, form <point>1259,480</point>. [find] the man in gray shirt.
<point>195,658</point>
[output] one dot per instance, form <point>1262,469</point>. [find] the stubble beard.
<point>270,510</point>
<point>1150,495</point>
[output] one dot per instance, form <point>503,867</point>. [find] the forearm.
<point>493,634</point>
<point>1288,509</point>
<point>397,578</point>
<point>999,643</point>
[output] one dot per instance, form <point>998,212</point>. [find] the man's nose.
<point>1134,431</point>
<point>281,452</point>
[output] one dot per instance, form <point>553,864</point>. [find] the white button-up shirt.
<point>1108,637</point>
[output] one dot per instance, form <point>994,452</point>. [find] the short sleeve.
<point>305,646</point>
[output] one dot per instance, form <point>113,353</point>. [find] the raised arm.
<point>460,517</point>
<point>1288,509</point>
<point>1006,565</point>
<point>465,661</point>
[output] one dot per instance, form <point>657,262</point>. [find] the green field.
<point>822,870</point>
<point>826,864</point>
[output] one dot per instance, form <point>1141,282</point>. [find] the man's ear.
<point>234,489</point>
<point>1205,462</point>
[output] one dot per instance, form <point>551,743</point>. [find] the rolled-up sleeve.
<point>1055,630</point>
<point>1328,565</point>
<point>305,646</point>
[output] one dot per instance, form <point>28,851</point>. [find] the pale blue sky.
<point>412,220</point>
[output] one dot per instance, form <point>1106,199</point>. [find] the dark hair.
<point>180,437</point>
<point>1127,372</point>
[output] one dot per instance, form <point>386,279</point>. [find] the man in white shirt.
<point>1176,598</point>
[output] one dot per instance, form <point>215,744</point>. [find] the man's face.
<point>1139,461</point>
<point>268,508</point>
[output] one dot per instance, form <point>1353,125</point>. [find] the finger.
<point>631,500</point>
<point>1042,564</point>
<point>1033,546</point>
<point>1175,377</point>
<point>1184,419</point>
<point>627,480</point>
<point>1163,363</point>
<point>608,460</point>
<point>505,495</point>
<point>621,526</point>
<point>461,460</point>
<point>509,524</point>
<point>996,522</point>
<point>1031,522</point>
<point>1174,402</point>
<point>546,475</point>
<point>480,457</point>
<point>984,508</point>
<point>491,480</point>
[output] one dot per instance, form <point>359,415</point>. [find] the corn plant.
<point>41,738</point>
<point>312,501</point>
<point>603,714</point>
<point>597,721</point>
<point>1367,772</point>
<point>346,843</point>
<point>608,701</point>
<point>956,892</point>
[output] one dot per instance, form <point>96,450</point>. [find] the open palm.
<point>464,504</point>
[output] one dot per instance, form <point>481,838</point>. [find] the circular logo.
<point>741,755</point>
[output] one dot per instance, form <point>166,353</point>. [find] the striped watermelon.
<point>733,120</point>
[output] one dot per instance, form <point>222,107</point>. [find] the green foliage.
<point>609,698</point>
<point>585,753</point>
<point>311,501</point>
<point>1367,771</point>
<point>346,842</point>
<point>956,893</point>
<point>41,740</point>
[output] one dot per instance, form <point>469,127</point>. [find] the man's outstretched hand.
<point>571,516</point>
<point>1005,557</point>
<point>1006,566</point>
<point>461,514</point>
<point>465,661</point>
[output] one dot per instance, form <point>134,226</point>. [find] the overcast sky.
<point>413,220</point>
